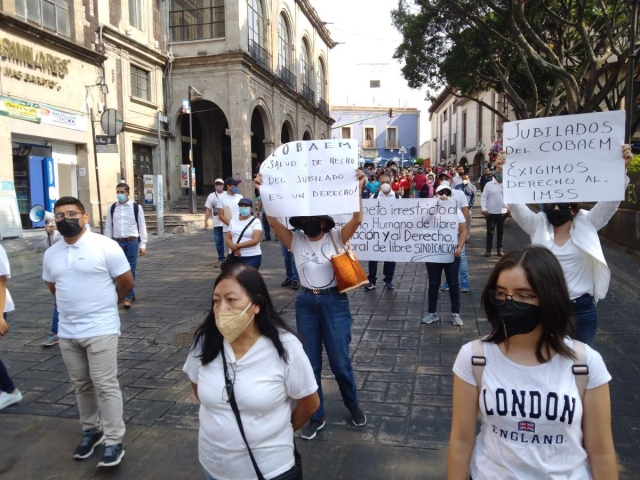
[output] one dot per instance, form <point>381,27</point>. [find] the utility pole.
<point>631,65</point>
<point>192,194</point>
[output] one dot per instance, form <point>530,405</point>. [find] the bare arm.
<point>598,439</point>
<point>221,216</point>
<point>462,232</point>
<point>207,214</point>
<point>52,288</point>
<point>4,327</point>
<point>463,429</point>
<point>352,225</point>
<point>124,284</point>
<point>282,232</point>
<point>305,407</point>
<point>195,390</point>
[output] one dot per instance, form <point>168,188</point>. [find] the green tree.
<point>548,57</point>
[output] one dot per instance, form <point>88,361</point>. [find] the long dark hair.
<point>545,276</point>
<point>267,320</point>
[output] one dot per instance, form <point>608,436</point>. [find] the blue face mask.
<point>235,190</point>
<point>245,211</point>
<point>499,177</point>
<point>122,197</point>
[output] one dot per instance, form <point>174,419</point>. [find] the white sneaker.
<point>7,399</point>
<point>456,320</point>
<point>432,317</point>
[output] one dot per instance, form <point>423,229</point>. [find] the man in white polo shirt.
<point>89,275</point>
<point>211,206</point>
<point>227,204</point>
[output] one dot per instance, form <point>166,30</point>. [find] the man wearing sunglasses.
<point>89,275</point>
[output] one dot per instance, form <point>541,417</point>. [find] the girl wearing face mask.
<point>244,235</point>
<point>322,312</point>
<point>572,236</point>
<point>429,188</point>
<point>542,398</point>
<point>266,369</point>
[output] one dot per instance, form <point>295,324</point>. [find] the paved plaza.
<point>403,370</point>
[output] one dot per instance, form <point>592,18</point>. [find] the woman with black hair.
<point>244,350</point>
<point>542,399</point>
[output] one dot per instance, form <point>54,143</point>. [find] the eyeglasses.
<point>62,216</point>
<point>227,390</point>
<point>519,300</point>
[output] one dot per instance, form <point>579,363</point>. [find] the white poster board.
<point>571,158</point>
<point>405,230</point>
<point>315,177</point>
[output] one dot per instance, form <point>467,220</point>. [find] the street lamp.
<point>192,193</point>
<point>402,152</point>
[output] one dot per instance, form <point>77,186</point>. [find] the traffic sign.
<point>111,121</point>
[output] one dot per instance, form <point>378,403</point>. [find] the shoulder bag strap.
<point>245,229</point>
<point>234,406</point>
<point>478,361</point>
<point>580,367</point>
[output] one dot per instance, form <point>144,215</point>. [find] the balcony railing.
<point>308,94</point>
<point>288,77</point>
<point>322,105</point>
<point>260,55</point>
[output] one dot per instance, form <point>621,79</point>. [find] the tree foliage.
<point>548,57</point>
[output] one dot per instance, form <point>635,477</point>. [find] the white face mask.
<point>386,188</point>
<point>465,182</point>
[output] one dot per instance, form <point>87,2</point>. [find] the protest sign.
<point>316,177</point>
<point>571,158</point>
<point>405,230</point>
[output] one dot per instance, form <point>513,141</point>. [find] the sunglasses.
<point>446,193</point>
<point>561,206</point>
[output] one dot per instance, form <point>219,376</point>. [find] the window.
<point>139,83</point>
<point>135,14</point>
<point>345,132</point>
<point>284,42</point>
<point>369,137</point>
<point>322,81</point>
<point>196,19</point>
<point>392,137</point>
<point>464,129</point>
<point>51,14</point>
<point>374,83</point>
<point>305,66</point>
<point>444,116</point>
<point>256,23</point>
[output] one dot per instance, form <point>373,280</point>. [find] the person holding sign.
<point>451,269</point>
<point>572,236</point>
<point>322,312</point>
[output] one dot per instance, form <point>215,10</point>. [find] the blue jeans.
<point>6,384</point>
<point>130,249</point>
<point>388,269</point>
<point>253,261</point>
<point>584,312</point>
<point>327,319</point>
<point>207,476</point>
<point>464,266</point>
<point>289,264</point>
<point>266,227</point>
<point>451,271</point>
<point>56,319</point>
<point>218,238</point>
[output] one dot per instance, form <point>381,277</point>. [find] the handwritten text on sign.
<point>402,230</point>
<point>572,158</point>
<point>315,177</point>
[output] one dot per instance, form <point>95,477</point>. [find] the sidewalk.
<point>403,371</point>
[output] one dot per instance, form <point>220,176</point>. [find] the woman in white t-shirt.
<point>542,399</point>
<point>244,351</point>
<point>9,394</point>
<point>246,249</point>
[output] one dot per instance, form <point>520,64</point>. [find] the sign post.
<point>159,188</point>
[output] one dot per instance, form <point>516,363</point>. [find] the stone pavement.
<point>403,370</point>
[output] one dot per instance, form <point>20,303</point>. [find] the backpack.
<point>580,367</point>
<point>375,195</point>
<point>136,206</point>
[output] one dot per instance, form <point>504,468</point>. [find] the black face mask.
<point>558,217</point>
<point>69,227</point>
<point>518,321</point>
<point>312,229</point>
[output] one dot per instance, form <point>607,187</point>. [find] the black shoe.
<point>287,281</point>
<point>487,253</point>
<point>358,418</point>
<point>295,285</point>
<point>111,455</point>
<point>267,239</point>
<point>90,440</point>
<point>310,429</point>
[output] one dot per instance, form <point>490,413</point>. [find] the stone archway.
<point>306,135</point>
<point>286,133</point>
<point>258,132</point>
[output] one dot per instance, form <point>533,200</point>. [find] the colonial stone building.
<point>257,71</point>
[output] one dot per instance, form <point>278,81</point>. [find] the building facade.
<point>257,73</point>
<point>381,132</point>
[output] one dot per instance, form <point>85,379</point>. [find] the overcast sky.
<point>367,54</point>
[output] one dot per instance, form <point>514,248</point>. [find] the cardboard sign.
<point>316,177</point>
<point>405,230</point>
<point>571,158</point>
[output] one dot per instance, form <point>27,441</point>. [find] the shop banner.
<point>405,230</point>
<point>20,109</point>
<point>184,176</point>
<point>316,177</point>
<point>570,158</point>
<point>58,118</point>
<point>148,189</point>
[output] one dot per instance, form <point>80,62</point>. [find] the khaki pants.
<point>93,367</point>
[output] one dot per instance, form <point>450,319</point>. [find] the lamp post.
<point>192,194</point>
<point>402,152</point>
<point>631,65</point>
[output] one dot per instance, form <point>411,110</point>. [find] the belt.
<point>321,291</point>
<point>126,239</point>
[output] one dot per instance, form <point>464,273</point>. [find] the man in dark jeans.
<point>495,211</point>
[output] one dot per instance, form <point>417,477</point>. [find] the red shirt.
<point>405,184</point>
<point>395,186</point>
<point>419,181</point>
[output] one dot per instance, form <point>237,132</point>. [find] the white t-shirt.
<point>85,290</point>
<point>460,198</point>
<point>5,269</point>
<point>231,201</point>
<point>264,385</point>
<point>519,440</point>
<point>236,226</point>
<point>211,204</point>
<point>578,268</point>
<point>313,259</point>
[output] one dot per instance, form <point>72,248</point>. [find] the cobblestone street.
<point>403,370</point>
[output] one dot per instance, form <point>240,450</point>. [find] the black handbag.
<point>230,259</point>
<point>295,472</point>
